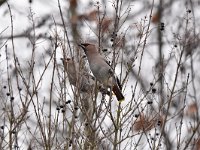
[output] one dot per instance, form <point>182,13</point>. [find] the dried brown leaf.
<point>92,16</point>
<point>197,145</point>
<point>192,109</point>
<point>105,24</point>
<point>155,18</point>
<point>73,3</point>
<point>145,123</point>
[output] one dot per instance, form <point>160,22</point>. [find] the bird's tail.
<point>118,93</point>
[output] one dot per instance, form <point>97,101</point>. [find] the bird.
<point>102,70</point>
<point>81,79</point>
<point>81,75</point>
<point>75,75</point>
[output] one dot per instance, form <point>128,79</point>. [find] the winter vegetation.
<point>51,100</point>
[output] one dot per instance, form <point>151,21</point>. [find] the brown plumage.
<point>86,81</point>
<point>80,78</point>
<point>102,70</point>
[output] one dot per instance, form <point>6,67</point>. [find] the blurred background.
<point>153,47</point>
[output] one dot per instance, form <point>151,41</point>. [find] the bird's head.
<point>87,47</point>
<point>84,45</point>
<point>67,61</point>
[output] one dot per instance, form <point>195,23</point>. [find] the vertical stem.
<point>117,127</point>
<point>160,61</point>
<point>114,64</point>
<point>51,97</point>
